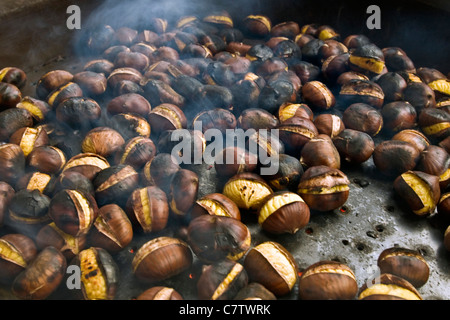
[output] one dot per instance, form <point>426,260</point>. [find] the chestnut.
<point>221,280</point>
<point>73,180</point>
<point>158,92</point>
<point>329,124</point>
<point>414,137</point>
<point>115,184</point>
<point>99,66</point>
<point>317,95</point>
<point>6,194</point>
<point>215,96</point>
<point>257,118</point>
<point>137,152</point>
<point>73,211</point>
<point>248,190</point>
<point>217,118</point>
<point>443,209</point>
<point>12,120</point>
<point>288,174</point>
<point>272,265</point>
<point>361,91</point>
<point>388,287</point>
<point>435,123</point>
<point>148,209</point>
<point>129,103</point>
<point>161,258</point>
<point>392,85</point>
<point>13,75</point>
<point>367,59</point>
<point>405,263</point>
<point>28,211</point>
<point>295,132</point>
<point>125,36</point>
<point>398,116</point>
<point>36,181</point>
<point>160,293</point>
<point>257,25</point>
<point>331,48</point>
<point>16,252</point>
<point>166,116</point>
<point>79,113</point>
<point>435,160</point>
<point>289,110</point>
<point>51,235</point>
<point>42,276</point>
<point>68,90</point>
<point>327,280</point>
<point>99,38</point>
<point>159,171</point>
<point>39,109</point>
<point>310,51</point>
<point>324,188</point>
<point>335,67</point>
<point>183,191</point>
<point>103,141</point>
<point>354,146</point>
<point>29,138</point>
<point>46,159</point>
<point>99,274</point>
<point>10,95</point>
<point>91,83</point>
<point>288,29</point>
<point>363,117</point>
<point>394,157</point>
<point>419,190</point>
<point>302,38</point>
<point>12,163</point>
<point>215,204</point>
<point>396,59</point>
<point>120,74</point>
<point>132,59</point>
<point>245,94</point>
<point>130,125</point>
<point>419,95</point>
<point>447,239</point>
<point>346,76</point>
<point>326,32</point>
<point>435,79</point>
<point>283,212</point>
<point>51,81</point>
<point>254,291</point>
<point>320,150</point>
<point>88,164</point>
<point>233,160</point>
<point>355,40</point>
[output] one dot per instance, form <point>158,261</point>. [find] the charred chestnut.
<point>6,194</point>
<point>160,293</point>
<point>103,141</point>
<point>29,138</point>
<point>354,146</point>
<point>363,117</point>
<point>320,150</point>
<point>436,161</point>
<point>36,181</point>
<point>393,85</point>
<point>160,170</point>
<point>361,91</point>
<point>368,59</point>
<point>233,160</point>
<point>46,159</point>
<point>79,113</point>
<point>90,82</point>
<point>130,125</point>
<point>419,95</point>
<point>51,81</point>
<point>218,118</point>
<point>39,109</point>
<point>137,152</point>
<point>394,157</point>
<point>257,118</point>
<point>13,75</point>
<point>166,117</point>
<point>12,163</point>
<point>73,180</point>
<point>435,123</point>
<point>396,59</point>
<point>129,103</point>
<point>66,91</point>
<point>215,204</point>
<point>12,120</point>
<point>398,116</point>
<point>183,191</point>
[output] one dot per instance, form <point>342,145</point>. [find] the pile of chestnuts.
<point>86,163</point>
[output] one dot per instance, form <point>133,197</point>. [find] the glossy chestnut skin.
<point>42,276</point>
<point>103,141</point>
<point>398,116</point>
<point>120,74</point>
<point>74,212</point>
<point>329,124</point>
<point>434,123</point>
<point>295,132</point>
<point>148,209</point>
<point>413,136</point>
<point>273,266</point>
<point>161,258</point>
<point>317,95</point>
<point>419,190</point>
<point>129,103</point>
<point>66,91</point>
<point>159,171</point>
<point>13,75</point>
<point>419,95</point>
<point>51,81</point>
<point>12,163</point>
<point>332,183</point>
<point>91,83</point>
<point>215,204</point>
<point>12,120</point>
<point>18,250</point>
<point>393,157</point>
<point>10,95</point>
<point>166,117</point>
<point>396,59</point>
<point>328,280</point>
<point>99,274</point>
<point>213,238</point>
<point>363,117</point>
<point>213,283</point>
<point>320,150</point>
<point>435,160</point>
<point>130,125</point>
<point>137,152</point>
<point>354,146</point>
<point>393,85</point>
<point>88,164</point>
<point>183,191</point>
<point>46,159</point>
<point>398,289</point>
<point>289,110</point>
<point>257,118</point>
<point>217,118</point>
<point>233,160</point>
<point>39,109</point>
<point>160,293</point>
<point>405,263</point>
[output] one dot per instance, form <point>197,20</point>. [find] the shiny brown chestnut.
<point>324,188</point>
<point>443,207</point>
<point>99,38</point>
<point>289,110</point>
<point>272,265</point>
<point>166,117</point>
<point>419,95</point>
<point>317,95</point>
<point>99,274</point>
<point>42,276</point>
<point>91,83</point>
<point>361,91</point>
<point>12,120</point>
<point>435,160</point>
<point>132,59</point>
<point>161,258</point>
<point>66,91</point>
<point>388,287</point>
<point>99,66</point>
<point>355,40</point>
<point>435,79</point>
<point>248,190</point>
<point>73,211</point>
<point>29,138</point>
<point>159,171</point>
<point>396,59</point>
<point>158,92</point>
<point>331,48</point>
<point>148,209</point>
<point>103,141</point>
<point>12,163</point>
<point>233,160</point>
<point>6,194</point>
<point>257,25</point>
<point>160,293</point>
<point>435,123</point>
<point>288,29</point>
<point>213,238</point>
<point>16,252</point>
<point>136,152</point>
<point>327,280</point>
<point>398,116</point>
<point>79,113</point>
<point>215,204</point>
<point>295,132</point>
<point>120,74</point>
<point>39,109</point>
<point>10,95</point>
<point>115,184</point>
<point>413,136</point>
<point>394,157</point>
<point>51,81</point>
<point>345,77</point>
<point>336,66</point>
<point>183,191</point>
<point>88,164</point>
<point>13,75</point>
<point>326,32</point>
<point>283,212</point>
<point>221,280</point>
<point>129,103</point>
<point>320,150</point>
<point>329,124</point>
<point>419,190</point>
<point>354,146</point>
<point>363,117</point>
<point>47,159</point>
<point>405,263</point>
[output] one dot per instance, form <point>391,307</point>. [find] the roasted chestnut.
<point>12,163</point>
<point>6,194</point>
<point>436,161</point>
<point>396,59</point>
<point>42,276</point>
<point>12,120</point>
<point>288,29</point>
<point>130,125</point>
<point>129,103</point>
<point>257,25</point>
<point>221,280</point>
<point>289,110</point>
<point>36,181</point>
<point>388,287</point>
<point>166,117</point>
<point>415,137</point>
<point>361,91</point>
<point>405,263</point>
<point>435,123</point>
<point>233,160</point>
<point>161,258</point>
<point>320,150</point>
<point>13,75</point>
<point>288,173</point>
<point>39,109</point>
<point>73,180</point>
<point>368,59</point>
<point>213,238</point>
<point>419,95</point>
<point>79,113</point>
<point>148,209</point>
<point>29,138</point>
<point>273,266</point>
<point>91,83</point>
<point>46,159</point>
<point>217,118</point>
<point>120,74</point>
<point>354,146</point>
<point>394,157</point>
<point>137,152</point>
<point>398,116</point>
<point>329,124</point>
<point>183,191</point>
<point>327,280</point>
<point>103,141</point>
<point>392,85</point>
<point>363,117</point>
<point>66,91</point>
<point>324,188</point>
<point>295,132</point>
<point>419,190</point>
<point>88,164</point>
<point>51,81</point>
<point>160,170</point>
<point>215,204</point>
<point>160,293</point>
<point>317,95</point>
<point>255,291</point>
